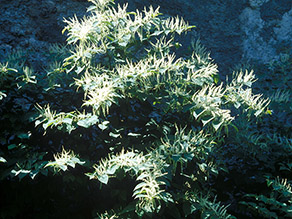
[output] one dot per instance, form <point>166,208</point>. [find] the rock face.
<point>234,31</point>
<point>254,46</point>
<point>266,27</point>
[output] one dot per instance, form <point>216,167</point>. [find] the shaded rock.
<point>253,45</point>
<point>257,3</point>
<point>284,29</point>
<point>234,31</point>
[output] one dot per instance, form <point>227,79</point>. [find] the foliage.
<point>63,160</point>
<point>160,134</point>
<point>277,204</point>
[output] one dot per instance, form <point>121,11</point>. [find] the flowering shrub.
<point>132,112</point>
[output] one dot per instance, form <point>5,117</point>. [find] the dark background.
<point>234,31</point>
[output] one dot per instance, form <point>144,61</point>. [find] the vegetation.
<point>120,126</point>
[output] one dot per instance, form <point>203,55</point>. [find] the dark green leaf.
<point>24,135</point>
<point>217,124</point>
<point>10,147</point>
<point>206,119</point>
<point>176,157</point>
<point>198,112</point>
<point>189,156</point>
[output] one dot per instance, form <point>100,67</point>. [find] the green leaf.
<point>138,187</point>
<point>12,69</point>
<point>166,197</point>
<point>206,214</point>
<point>91,175</point>
<point>125,40</point>
<point>79,69</point>
<point>110,38</point>
<point>103,125</point>
<point>69,128</point>
<point>10,147</point>
<point>189,156</point>
<point>140,196</point>
<point>203,167</point>
<point>217,124</point>
<point>24,135</point>
<point>23,172</point>
<point>2,160</point>
<point>49,123</point>
<point>269,112</point>
<point>216,78</point>
<point>77,160</point>
<point>70,163</point>
<point>237,104</point>
<point>103,179</point>
<point>63,167</point>
<point>123,44</point>
<point>33,174</point>
<point>133,134</point>
<point>87,122</point>
<point>44,172</point>
<point>187,108</point>
<point>248,83</point>
<point>142,176</point>
<point>258,112</point>
<point>114,135</point>
<point>198,81</point>
<point>87,55</point>
<point>195,207</point>
<point>176,157</point>
<point>67,120</point>
<point>157,33</point>
<point>198,112</point>
<point>37,122</point>
<point>177,45</point>
<point>112,169</point>
<point>206,120</point>
<point>91,8</point>
<point>133,29</point>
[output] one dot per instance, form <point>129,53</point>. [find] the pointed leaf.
<point>103,125</point>
<point>67,120</point>
<point>217,124</point>
<point>103,179</point>
<point>63,167</point>
<point>140,185</point>
<point>198,112</point>
<point>114,135</point>
<point>133,134</point>
<point>87,122</point>
<point>10,147</point>
<point>2,160</point>
<point>91,8</point>
<point>176,157</point>
<point>206,120</point>
<point>112,170</point>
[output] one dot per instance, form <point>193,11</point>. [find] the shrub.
<point>134,113</point>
